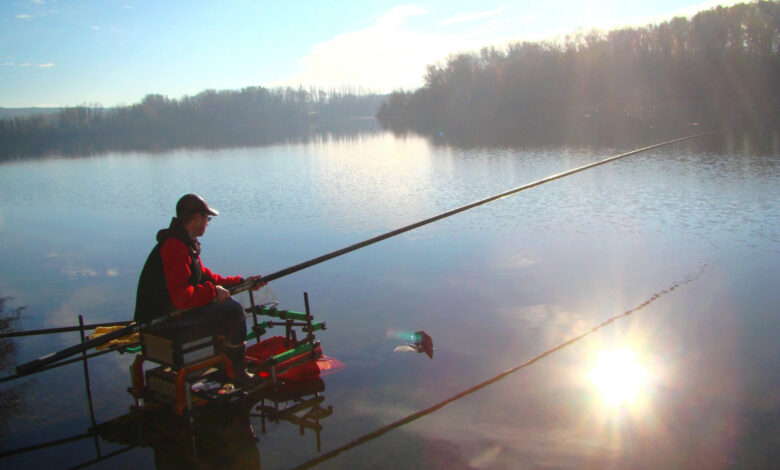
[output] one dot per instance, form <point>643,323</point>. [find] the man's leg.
<point>226,318</point>
<point>232,324</point>
<point>235,333</point>
<point>233,319</point>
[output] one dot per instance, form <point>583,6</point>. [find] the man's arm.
<point>220,280</point>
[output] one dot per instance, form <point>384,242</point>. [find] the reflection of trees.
<point>718,69</point>
<point>10,397</point>
<point>250,116</point>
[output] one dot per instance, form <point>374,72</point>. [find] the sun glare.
<point>619,376</point>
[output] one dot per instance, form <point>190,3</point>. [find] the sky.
<point>114,52</point>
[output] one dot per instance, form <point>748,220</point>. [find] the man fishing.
<point>173,278</point>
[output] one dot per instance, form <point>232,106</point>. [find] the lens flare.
<point>619,376</point>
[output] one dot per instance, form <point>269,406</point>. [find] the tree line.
<point>719,69</point>
<point>250,116</point>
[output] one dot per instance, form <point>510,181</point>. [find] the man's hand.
<point>222,294</point>
<point>258,283</point>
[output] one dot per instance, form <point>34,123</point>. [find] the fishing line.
<point>419,414</point>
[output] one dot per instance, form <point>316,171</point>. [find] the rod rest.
<point>280,314</point>
<point>291,319</point>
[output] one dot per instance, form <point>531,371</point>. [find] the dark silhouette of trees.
<point>719,69</point>
<point>10,397</point>
<point>250,116</point>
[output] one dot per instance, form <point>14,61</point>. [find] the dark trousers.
<point>225,318</point>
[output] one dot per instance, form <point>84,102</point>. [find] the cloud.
<point>385,56</point>
<point>36,10</point>
<point>27,64</point>
<point>96,28</point>
<point>397,16</point>
<point>470,18</point>
<point>395,49</point>
<point>128,7</point>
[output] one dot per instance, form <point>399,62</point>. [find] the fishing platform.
<point>190,367</point>
<point>184,385</point>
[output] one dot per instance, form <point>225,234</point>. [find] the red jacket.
<point>174,278</point>
<point>178,272</point>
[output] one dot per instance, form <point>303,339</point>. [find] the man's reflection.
<point>219,435</point>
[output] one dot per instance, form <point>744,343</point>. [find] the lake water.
<point>494,286</point>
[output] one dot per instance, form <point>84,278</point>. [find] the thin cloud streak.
<point>397,16</point>
<point>470,18</point>
<point>28,64</point>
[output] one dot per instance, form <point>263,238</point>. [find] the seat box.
<point>179,348</point>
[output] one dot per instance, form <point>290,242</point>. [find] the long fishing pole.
<point>133,328</point>
<point>306,264</point>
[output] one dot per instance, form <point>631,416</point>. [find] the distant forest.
<point>21,112</point>
<point>718,70</point>
<point>250,116</point>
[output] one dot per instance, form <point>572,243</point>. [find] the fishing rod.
<point>249,284</point>
<point>62,329</point>
<point>60,363</point>
<point>306,264</point>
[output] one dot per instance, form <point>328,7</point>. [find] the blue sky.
<point>110,52</point>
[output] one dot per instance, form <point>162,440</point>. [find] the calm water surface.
<point>697,368</point>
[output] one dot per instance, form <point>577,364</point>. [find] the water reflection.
<point>494,286</point>
<point>160,142</point>
<point>214,436</point>
<point>620,377</point>
<point>10,396</point>
<point>299,404</point>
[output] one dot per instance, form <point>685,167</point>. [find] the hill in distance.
<point>24,112</point>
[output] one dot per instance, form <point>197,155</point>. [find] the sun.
<point>619,377</point>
